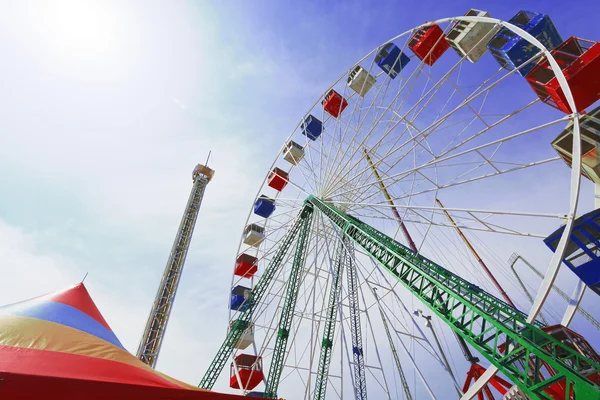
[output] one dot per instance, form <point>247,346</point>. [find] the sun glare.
<point>81,30</point>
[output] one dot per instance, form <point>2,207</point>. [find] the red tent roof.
<point>59,346</point>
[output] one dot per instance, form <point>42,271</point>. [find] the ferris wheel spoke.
<point>486,226</point>
<point>357,108</point>
<point>438,122</point>
<point>341,167</point>
<point>500,172</point>
<point>392,179</point>
<point>356,105</point>
<point>426,99</point>
<point>462,210</point>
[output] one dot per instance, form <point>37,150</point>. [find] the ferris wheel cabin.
<point>311,127</point>
<point>254,235</point>
<point>278,179</point>
<point>512,51</point>
<point>579,60</point>
<point>589,126</point>
<point>469,39</point>
<point>250,370</point>
<point>239,296</point>
<point>429,44</point>
<point>391,60</point>
<point>247,337</point>
<point>293,152</point>
<point>360,80</point>
<point>246,265</point>
<point>264,206</point>
<point>334,103</point>
<point>582,254</point>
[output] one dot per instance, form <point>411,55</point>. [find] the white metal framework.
<point>470,133</point>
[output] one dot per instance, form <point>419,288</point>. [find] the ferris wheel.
<point>442,147</point>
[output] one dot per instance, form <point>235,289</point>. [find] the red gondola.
<point>245,266</point>
<point>334,103</point>
<point>579,59</point>
<point>429,44</point>
<point>249,370</point>
<point>278,179</point>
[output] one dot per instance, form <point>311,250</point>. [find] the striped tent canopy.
<point>59,346</point>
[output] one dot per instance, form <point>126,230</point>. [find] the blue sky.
<point>106,107</point>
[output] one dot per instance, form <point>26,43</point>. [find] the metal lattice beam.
<point>287,313</point>
<point>360,381</point>
<point>483,320</point>
<point>330,321</point>
<point>156,325</point>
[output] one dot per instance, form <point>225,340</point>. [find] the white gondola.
<point>360,80</point>
<point>470,39</point>
<point>590,142</point>
<point>293,152</point>
<point>247,337</point>
<point>254,235</point>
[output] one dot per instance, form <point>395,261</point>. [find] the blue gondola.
<point>511,50</point>
<point>582,255</point>
<point>239,297</point>
<point>261,395</point>
<point>391,60</point>
<point>264,206</point>
<point>311,127</point>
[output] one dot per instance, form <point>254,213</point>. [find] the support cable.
<point>407,394</point>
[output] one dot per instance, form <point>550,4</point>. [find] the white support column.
<point>480,383</point>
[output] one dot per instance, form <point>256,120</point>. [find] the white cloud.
<point>27,272</point>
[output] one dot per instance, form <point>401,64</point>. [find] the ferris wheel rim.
<point>574,181</point>
<point>562,82</point>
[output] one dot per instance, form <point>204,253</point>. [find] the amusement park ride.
<point>351,172</point>
<point>158,319</point>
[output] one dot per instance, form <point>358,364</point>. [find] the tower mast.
<point>156,326</point>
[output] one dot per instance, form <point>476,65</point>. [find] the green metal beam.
<point>330,321</point>
<point>483,320</point>
<point>360,380</point>
<point>256,295</point>
<point>289,305</point>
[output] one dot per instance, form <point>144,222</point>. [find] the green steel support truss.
<point>287,313</point>
<point>329,329</point>
<point>243,322</point>
<point>360,380</point>
<point>481,319</point>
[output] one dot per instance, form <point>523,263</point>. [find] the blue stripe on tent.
<point>62,314</point>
